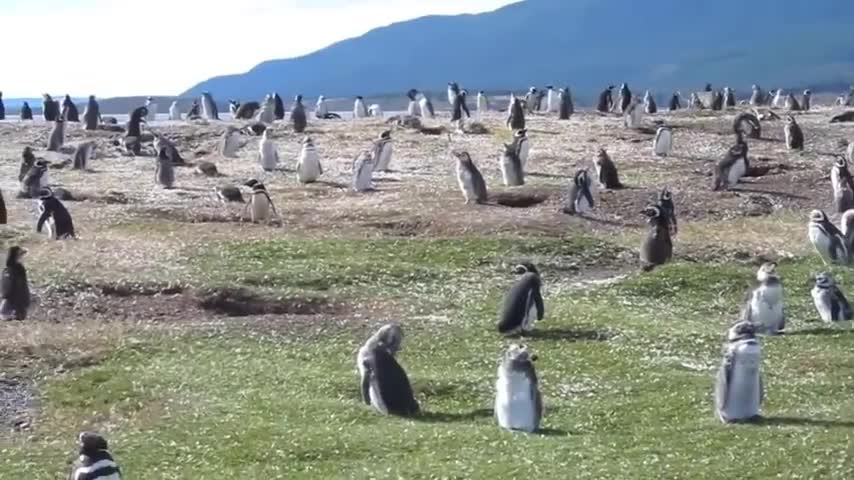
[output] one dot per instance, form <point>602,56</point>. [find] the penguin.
<point>729,98</point>
<point>164,174</point>
<point>15,288</point>
<point>649,105</point>
<point>95,462</point>
<point>663,141</point>
<point>734,165</point>
<point>171,150</point>
<point>830,302</point>
<point>625,97</point>
<point>792,104</point>
<point>230,142</point>
<point>606,171</point>
<point>54,214</point>
<point>92,114</point>
<point>28,160</point>
<point>606,100</point>
<point>298,117</point>
<point>580,199</point>
<point>512,171</point>
<point>308,163</point>
<point>566,106</point>
<point>657,246</point>
<point>843,186</point>
<point>522,145</point>
<point>668,208</point>
<point>717,101</point>
<point>26,112</point>
<point>359,108</point>
<point>708,87</point>
<point>827,240</point>
<point>470,179</point>
<point>675,102</point>
<point>57,135</point>
<point>363,168</point>
<point>174,112</point>
<point>757,98</point>
<point>806,100</point>
<point>83,153</point>
<point>385,385</point>
<point>412,107</point>
<point>209,108</point>
<point>695,103</point>
<point>523,304</point>
<point>137,117</point>
<point>426,107</point>
<point>375,110</point>
<point>255,129</point>
<point>633,116</point>
<point>50,108</point>
<point>739,390</point>
<point>195,111</point>
<point>518,402</point>
<point>260,204</point>
<point>267,113</point>
<point>268,155</point>
<point>246,111</point>
<point>765,302</point>
<point>747,124</point>
<point>151,105</point>
<point>383,149</point>
<point>229,193</point>
<point>453,91</point>
<point>2,108</point>
<point>794,134</point>
<point>516,119</point>
<point>458,109</point>
<point>278,107</point>
<point>551,99</point>
<point>35,180</point>
<point>778,99</point>
<point>389,337</point>
<point>530,100</point>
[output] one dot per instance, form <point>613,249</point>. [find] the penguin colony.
<point>739,389</point>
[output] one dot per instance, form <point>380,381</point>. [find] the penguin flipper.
<point>366,383</point>
<point>538,301</point>
<point>42,219</point>
<point>588,196</point>
<point>722,383</point>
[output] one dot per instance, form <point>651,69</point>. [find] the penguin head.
<point>307,141</point>
<point>298,99</point>
<point>252,182</point>
<point>791,120</point>
<point>824,280</point>
<point>841,162</point>
<point>389,337</point>
<point>386,135</point>
<point>518,355</point>
<point>550,87</point>
<point>601,156</point>
<point>91,443</point>
<point>321,98</point>
<point>741,331</point>
<point>462,156</point>
<point>359,98</point>
<point>525,267</point>
<point>807,92</point>
<point>817,216</point>
<point>481,92</point>
<point>665,195</point>
<point>41,165</point>
<point>582,178</point>
<point>521,133</point>
<point>26,105</point>
<point>766,271</point>
<point>15,254</point>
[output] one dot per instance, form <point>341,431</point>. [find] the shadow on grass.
<point>786,195</point>
<point>445,417</point>
<point>820,331</point>
<point>804,422</point>
<point>552,432</point>
<point>569,334</point>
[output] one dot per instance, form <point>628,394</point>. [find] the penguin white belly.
<point>524,151</point>
<point>50,228</point>
<point>822,300</point>
<point>308,167</point>
<point>464,178</point>
<point>821,242</point>
<point>269,157</point>
<point>364,178</point>
<point>174,113</point>
<point>481,106</point>
<point>412,109</point>
<point>385,157</point>
<point>260,209</point>
<point>377,400</point>
<point>662,144</point>
<point>738,169</point>
<point>425,112</point>
<point>766,308</point>
<point>375,111</point>
<point>152,112</point>
<point>743,393</point>
<point>451,96</point>
<point>514,406</point>
<point>582,205</point>
<point>508,173</point>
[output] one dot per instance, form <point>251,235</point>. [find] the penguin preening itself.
<point>765,303</point>
<point>92,114</point>
<point>298,116</point>
<point>195,111</point>
<point>734,165</point>
<point>15,287</point>
<point>668,208</point>
<point>359,108</point>
<point>649,105</point>
<point>794,134</point>
<point>739,390</point>
<point>523,303</point>
<point>26,111</point>
<point>663,141</point>
<point>308,164</point>
<point>580,198</point>
<point>606,100</point>
<point>516,119</point>
<point>657,246</point>
<point>566,106</point>
<point>606,171</point>
<point>278,107</point>
<point>512,171</point>
<point>164,173</point>
<point>469,178</point>
<point>209,108</point>
<point>827,240</point>
<point>260,204</point>
<point>747,124</point>
<point>829,301</point>
<point>522,145</point>
<point>57,136</point>
<point>95,462</point>
<point>268,155</point>
<point>54,214</point>
<point>363,171</point>
<point>675,102</point>
<point>388,337</point>
<point>83,153</point>
<point>385,385</point>
<point>843,186</point>
<point>518,402</point>
<point>230,142</point>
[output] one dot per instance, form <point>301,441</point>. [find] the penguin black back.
<point>51,207</point>
<point>517,115</point>
<point>278,107</point>
<point>136,118</point>
<point>69,110</point>
<point>14,287</point>
<point>606,100</point>
<point>26,112</point>
<point>298,117</point>
<point>525,293</point>
<point>388,380</point>
<point>657,248</point>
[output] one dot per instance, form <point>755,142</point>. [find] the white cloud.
<point>120,47</point>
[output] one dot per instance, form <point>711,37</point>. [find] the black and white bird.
<point>57,136</point>
<point>649,105</point>
<point>739,390</point>
<point>512,171</point>
<point>268,154</point>
<point>657,246</point>
<point>54,215</point>
<point>580,197</point>
<point>229,193</point>
<point>412,107</point>
<point>359,108</point>
<point>606,171</point>
<point>518,402</point>
<point>523,304</point>
<point>458,108</point>
<point>765,303</point>
<point>827,240</point>
<point>606,100</point>
<point>734,165</point>
<point>625,99</point>
<point>668,208</point>
<point>298,116</point>
<point>806,101</point>
<point>426,106</point>
<point>84,152</point>
<point>747,124</point>
<point>363,171</point>
<point>830,302</point>
<point>161,143</point>
<point>15,301</point>
<point>522,145</point>
<point>757,98</point>
<point>382,152</point>
<point>95,462</point>
<point>385,385</point>
<point>209,108</point>
<point>663,142</point>
<point>794,134</point>
<point>308,163</point>
<point>164,172</point>
<point>35,179</point>
<point>729,98</point>
<point>260,205</point>
<point>675,102</point>
<point>846,226</point>
<point>843,186</point>
<point>389,337</point>
<point>516,117</point>
<point>567,108</point>
<point>453,91</point>
<point>470,179</point>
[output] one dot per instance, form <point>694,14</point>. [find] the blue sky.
<point>161,47</point>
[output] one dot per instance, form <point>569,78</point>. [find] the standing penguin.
<point>389,337</point>
<point>482,105</point>
<point>308,164</point>
<point>625,97</point>
<point>733,166</point>
<point>757,98</point>
<point>174,112</point>
<point>267,113</point>
<point>83,153</point>
<point>92,114</point>
<point>566,106</point>
<point>717,101</point>
<point>729,98</point>
<point>161,143</point>
<point>298,117</point>
<point>453,91</point>
<point>778,100</point>
<point>164,173</point>
<point>279,107</point>
<point>50,108</point>
<point>363,168</point>
<point>829,300</point>
<point>28,160</point>
<point>747,124</point>
<point>34,180</point>
<point>606,100</point>
<point>209,108</point>
<point>765,303</point>
<point>151,105</point>
<point>230,142</point>
<point>663,141</point>
<point>792,104</point>
<point>385,385</point>
<point>134,131</point>
<point>195,111</point>
<point>827,240</point>
<point>512,171</point>
<point>383,149</point>
<point>806,101</point>
<point>95,462</point>
<point>54,214</point>
<point>459,107</point>
<point>551,100</point>
<point>516,119</point>
<point>657,246</point>
<point>668,208</point>
<point>260,204</point>
<point>847,227</point>
<point>606,171</point>
<point>523,305</point>
<point>649,105</point>
<point>426,107</point>
<point>359,108</point>
<point>57,135</point>
<point>695,103</point>
<point>412,105</point>
<point>268,155</point>
<point>26,112</point>
<point>522,145</point>
<point>470,179</point>
<point>843,186</point>
<point>633,116</point>
<point>794,134</point>
<point>675,102</point>
<point>738,389</point>
<point>580,199</point>
<point>321,109</point>
<point>14,287</point>
<point>518,402</point>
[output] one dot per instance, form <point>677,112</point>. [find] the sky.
<point>162,47</point>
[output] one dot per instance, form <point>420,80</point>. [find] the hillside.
<point>582,43</point>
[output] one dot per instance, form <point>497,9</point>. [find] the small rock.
<point>207,168</point>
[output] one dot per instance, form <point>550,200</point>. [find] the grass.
<point>626,371</point>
